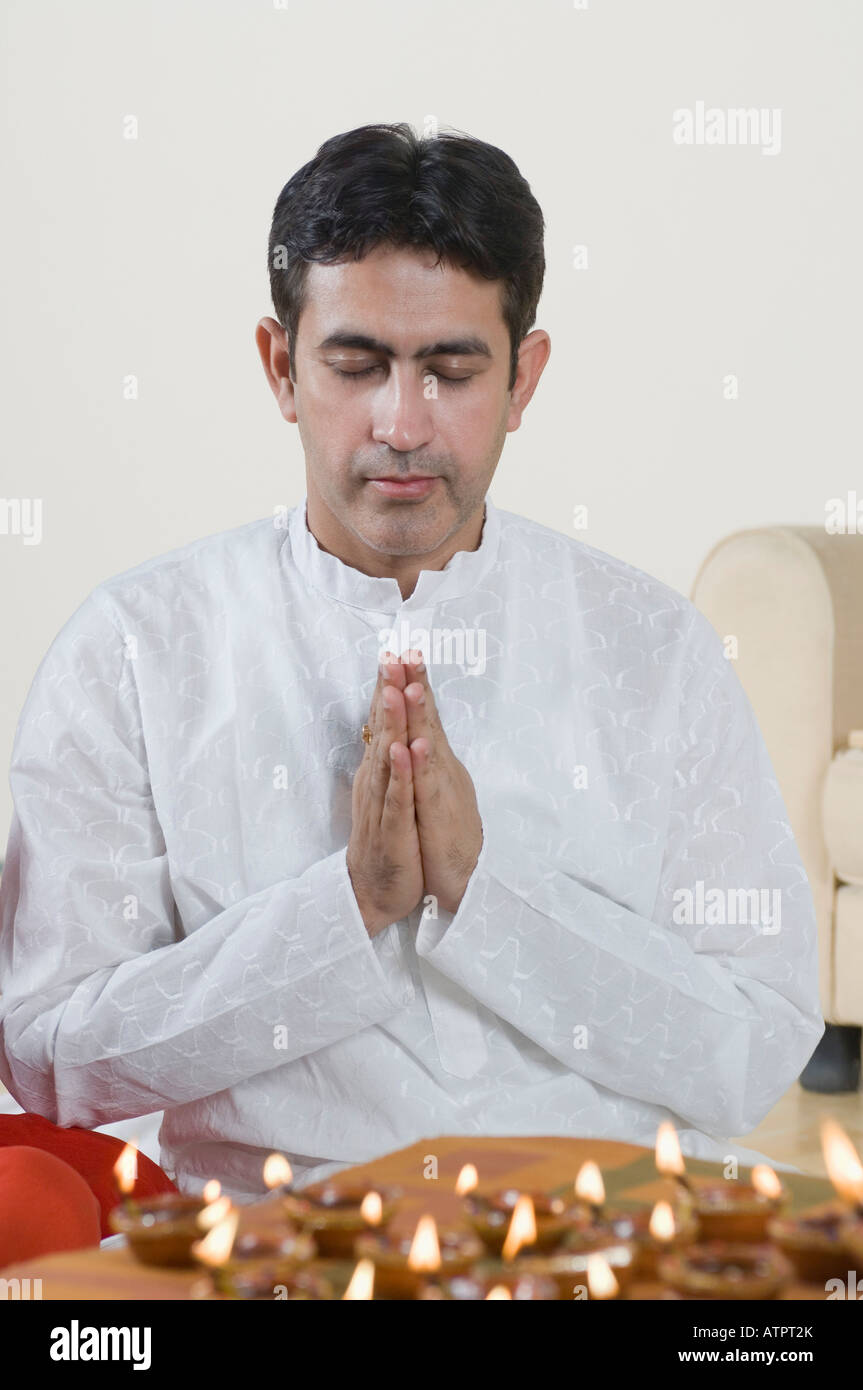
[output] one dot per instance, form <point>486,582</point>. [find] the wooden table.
<point>528,1162</point>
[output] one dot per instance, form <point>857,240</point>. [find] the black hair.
<point>448,193</point>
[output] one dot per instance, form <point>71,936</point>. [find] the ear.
<point>533,353</point>
<point>272,341</point>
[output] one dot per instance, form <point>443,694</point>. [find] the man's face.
<point>401,369</point>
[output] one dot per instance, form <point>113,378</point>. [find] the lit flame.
<point>669,1159</point>
<point>126,1169</point>
<point>765,1181</point>
<point>601,1282</point>
<point>213,1213</point>
<point>843,1162</point>
<point>277,1170</point>
<point>466,1180</point>
<point>216,1247</point>
<point>499,1291</point>
<point>372,1208</point>
<point>661,1225</point>
<point>522,1228</point>
<point>362,1283</point>
<point>589,1185</point>
<point>425,1249</point>
<point>212,1189</point>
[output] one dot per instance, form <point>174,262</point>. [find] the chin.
<point>408,531</point>
<point>402,540</point>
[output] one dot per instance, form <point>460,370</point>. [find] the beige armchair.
<point>792,598</point>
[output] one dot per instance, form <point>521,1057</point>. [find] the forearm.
<point>275,977</point>
<point>626,1002</point>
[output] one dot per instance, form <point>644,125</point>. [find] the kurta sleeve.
<point>107,1010</point>
<point>708,1006</point>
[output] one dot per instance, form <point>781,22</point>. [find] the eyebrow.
<point>449,347</point>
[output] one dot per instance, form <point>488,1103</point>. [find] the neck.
<point>337,540</point>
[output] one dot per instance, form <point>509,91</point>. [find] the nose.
<point>402,416</point>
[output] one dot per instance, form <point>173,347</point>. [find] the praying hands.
<point>416,828</point>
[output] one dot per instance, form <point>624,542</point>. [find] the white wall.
<point>149,257</point>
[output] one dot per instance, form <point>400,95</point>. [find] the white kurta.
<point>178,925</point>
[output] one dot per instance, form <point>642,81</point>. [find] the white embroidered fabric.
<point>178,928</point>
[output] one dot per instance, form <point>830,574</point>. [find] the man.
<point>511,880</point>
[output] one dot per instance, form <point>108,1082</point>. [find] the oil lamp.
<point>721,1270</point>
<point>651,1232</point>
<point>159,1230</point>
<point>566,1265</point>
<point>821,1240</point>
<point>600,1273</point>
<point>550,1217</point>
<point>726,1209</point>
<point>336,1213</point>
<point>402,1264</point>
<point>239,1260</point>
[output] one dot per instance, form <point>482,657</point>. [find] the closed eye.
<point>366,371</point>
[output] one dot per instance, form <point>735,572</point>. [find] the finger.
<point>413,662</point>
<point>422,716</point>
<point>393,704</point>
<point>428,788</point>
<point>419,751</point>
<point>375,712</point>
<point>377,756</point>
<point>392,728</point>
<point>392,679</point>
<point>399,800</point>
<point>394,671</point>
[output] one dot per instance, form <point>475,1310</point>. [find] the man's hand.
<point>383,856</point>
<point>447,815</point>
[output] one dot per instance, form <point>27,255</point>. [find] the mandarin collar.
<point>381,594</point>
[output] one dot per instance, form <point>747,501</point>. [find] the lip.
<point>403,487</point>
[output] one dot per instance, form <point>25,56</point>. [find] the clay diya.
<point>719,1270</point>
<point>274,1253</point>
<point>160,1230</point>
<point>739,1212</point>
<point>727,1208</point>
<point>816,1242</point>
<point>822,1241</point>
<point>583,1272</point>
<point>652,1231</point>
<point>491,1217</point>
<point>403,1264</point>
<point>567,1267</point>
<point>336,1213</point>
